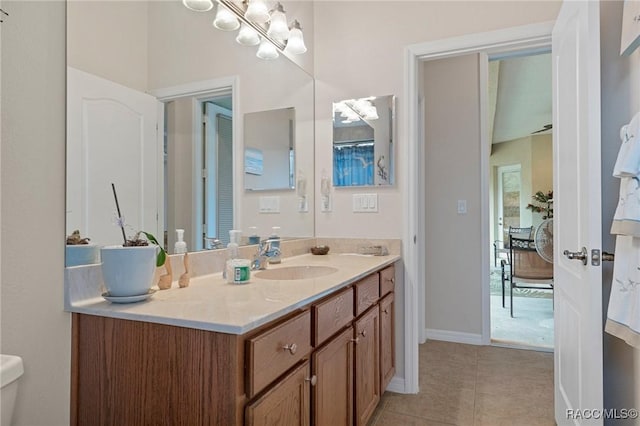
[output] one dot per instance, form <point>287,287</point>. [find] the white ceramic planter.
<point>82,254</point>
<point>128,271</point>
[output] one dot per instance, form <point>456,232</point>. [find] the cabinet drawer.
<point>387,280</point>
<point>367,292</point>
<point>274,351</point>
<point>330,315</point>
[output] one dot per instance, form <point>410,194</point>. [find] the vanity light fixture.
<point>267,50</point>
<point>257,12</point>
<point>198,5</point>
<point>278,27</point>
<point>257,25</point>
<point>295,43</point>
<point>247,36</point>
<point>225,20</point>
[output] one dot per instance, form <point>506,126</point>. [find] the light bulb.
<point>225,20</point>
<point>257,12</point>
<point>278,28</point>
<point>247,36</point>
<point>295,44</point>
<point>198,5</point>
<point>267,50</point>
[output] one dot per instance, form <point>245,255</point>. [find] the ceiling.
<point>519,96</point>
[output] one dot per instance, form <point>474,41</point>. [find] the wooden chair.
<point>526,269</point>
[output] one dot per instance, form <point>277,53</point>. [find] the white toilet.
<point>10,371</point>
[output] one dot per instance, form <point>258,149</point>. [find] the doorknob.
<point>577,255</point>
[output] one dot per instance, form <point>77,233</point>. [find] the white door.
<point>577,212</point>
<point>509,191</point>
<point>112,137</point>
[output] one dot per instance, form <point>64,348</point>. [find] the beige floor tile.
<point>395,419</point>
<point>470,385</point>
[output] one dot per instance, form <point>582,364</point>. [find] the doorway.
<point>520,195</point>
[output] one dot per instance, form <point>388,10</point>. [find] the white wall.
<point>620,89</point>
<point>34,324</point>
<point>354,59</point>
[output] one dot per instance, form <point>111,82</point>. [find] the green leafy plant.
<point>543,204</point>
<point>136,240</point>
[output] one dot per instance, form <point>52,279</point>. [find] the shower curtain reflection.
<point>353,164</point>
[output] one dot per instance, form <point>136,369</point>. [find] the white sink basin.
<point>295,272</point>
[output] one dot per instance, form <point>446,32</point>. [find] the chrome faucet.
<point>264,253</point>
<point>212,243</point>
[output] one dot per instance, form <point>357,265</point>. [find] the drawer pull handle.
<point>292,348</point>
<point>356,340</point>
<point>313,380</point>
<point>363,333</point>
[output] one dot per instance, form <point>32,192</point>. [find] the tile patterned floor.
<point>469,385</point>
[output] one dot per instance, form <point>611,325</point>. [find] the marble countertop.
<point>209,303</point>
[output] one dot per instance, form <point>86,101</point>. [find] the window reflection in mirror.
<point>363,141</point>
<point>269,149</point>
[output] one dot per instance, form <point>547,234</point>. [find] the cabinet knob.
<point>356,340</point>
<point>386,311</point>
<point>363,333</point>
<point>393,280</point>
<point>313,380</point>
<point>292,348</point>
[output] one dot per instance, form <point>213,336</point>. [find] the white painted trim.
<point>397,384</point>
<point>411,244</point>
<point>196,88</point>
<point>485,213</point>
<point>528,37</point>
<point>454,336</point>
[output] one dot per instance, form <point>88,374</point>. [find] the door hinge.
<point>204,173</point>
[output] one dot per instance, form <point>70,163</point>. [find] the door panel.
<point>100,153</point>
<point>577,210</point>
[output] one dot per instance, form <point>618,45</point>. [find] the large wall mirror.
<point>269,149</point>
<point>364,142</point>
<point>138,66</point>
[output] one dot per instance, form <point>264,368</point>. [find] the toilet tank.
<point>10,371</point>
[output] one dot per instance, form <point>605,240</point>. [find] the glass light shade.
<point>198,5</point>
<point>278,28</point>
<point>225,20</point>
<point>267,50</point>
<point>247,36</point>
<point>295,44</point>
<point>257,12</point>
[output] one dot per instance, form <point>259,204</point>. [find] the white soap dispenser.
<point>275,244</point>
<point>180,246</point>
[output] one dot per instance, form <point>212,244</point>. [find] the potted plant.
<point>128,269</point>
<point>80,251</point>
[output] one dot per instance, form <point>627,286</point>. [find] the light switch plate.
<point>462,206</point>
<point>365,203</point>
<point>269,204</point>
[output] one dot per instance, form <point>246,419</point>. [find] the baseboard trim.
<point>396,385</point>
<point>453,336</point>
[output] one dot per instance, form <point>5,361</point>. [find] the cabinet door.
<point>367,365</point>
<point>387,341</point>
<point>287,403</point>
<point>333,393</point>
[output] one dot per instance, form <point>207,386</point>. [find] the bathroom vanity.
<point>272,352</point>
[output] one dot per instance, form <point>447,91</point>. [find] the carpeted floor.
<point>532,324</point>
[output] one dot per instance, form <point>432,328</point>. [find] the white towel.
<point>628,161</point>
<point>623,314</point>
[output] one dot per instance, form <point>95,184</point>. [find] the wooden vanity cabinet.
<point>332,394</point>
<point>367,365</point>
<point>285,403</point>
<point>325,364</point>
